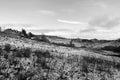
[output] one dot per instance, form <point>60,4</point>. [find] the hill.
<point>43,57</point>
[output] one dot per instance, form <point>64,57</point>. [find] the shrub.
<point>7,47</point>
<point>18,54</point>
<point>111,48</point>
<point>6,56</point>
<point>45,54</point>
<point>24,33</point>
<point>30,35</point>
<point>44,38</point>
<point>0,29</point>
<point>42,58</point>
<point>71,43</point>
<point>26,52</point>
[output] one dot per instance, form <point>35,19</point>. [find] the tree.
<point>24,33</point>
<point>71,43</point>
<point>31,34</point>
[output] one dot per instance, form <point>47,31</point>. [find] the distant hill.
<point>78,43</point>
<point>26,56</point>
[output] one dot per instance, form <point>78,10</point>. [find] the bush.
<point>18,54</point>
<point>7,47</point>
<point>71,43</point>
<point>45,54</point>
<point>24,33</point>
<point>30,35</point>
<point>111,48</point>
<point>44,38</point>
<point>26,52</point>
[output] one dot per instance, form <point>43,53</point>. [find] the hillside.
<point>32,58</point>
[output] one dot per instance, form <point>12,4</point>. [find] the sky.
<point>67,18</point>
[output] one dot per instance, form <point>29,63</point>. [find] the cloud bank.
<point>69,22</point>
<point>105,22</point>
<point>47,12</point>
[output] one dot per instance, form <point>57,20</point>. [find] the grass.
<point>50,67</point>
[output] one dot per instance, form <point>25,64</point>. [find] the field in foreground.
<point>26,59</point>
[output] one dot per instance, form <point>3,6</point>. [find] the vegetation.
<point>24,33</point>
<point>7,47</point>
<point>31,35</point>
<point>71,43</point>
<point>112,48</point>
<point>44,38</point>
<point>24,64</point>
<point>0,29</point>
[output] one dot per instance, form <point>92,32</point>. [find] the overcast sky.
<point>68,18</point>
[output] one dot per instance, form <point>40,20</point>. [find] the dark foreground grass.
<point>24,64</point>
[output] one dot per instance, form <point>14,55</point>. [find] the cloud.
<point>16,26</point>
<point>88,30</point>
<point>69,22</point>
<point>104,22</point>
<point>46,12</point>
<point>68,10</point>
<point>49,30</point>
<point>67,34</point>
<point>100,4</point>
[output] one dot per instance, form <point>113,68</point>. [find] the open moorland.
<point>26,56</point>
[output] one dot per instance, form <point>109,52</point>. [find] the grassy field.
<point>24,64</point>
<point>26,59</point>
